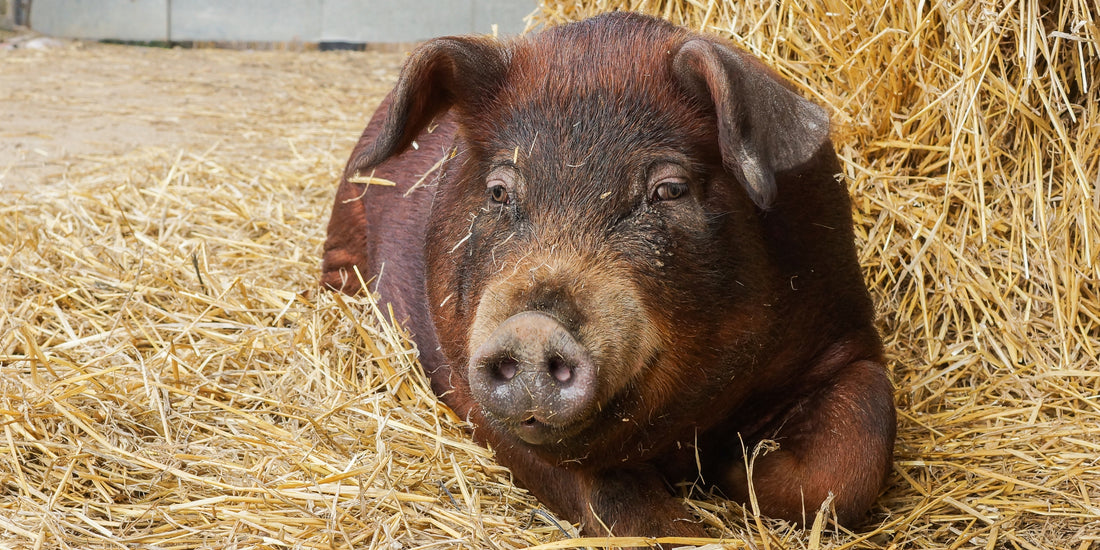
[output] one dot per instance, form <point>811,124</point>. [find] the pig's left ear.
<point>452,71</point>
<point>763,127</point>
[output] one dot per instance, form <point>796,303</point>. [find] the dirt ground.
<point>64,103</point>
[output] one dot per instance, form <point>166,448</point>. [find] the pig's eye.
<point>498,194</point>
<point>670,190</point>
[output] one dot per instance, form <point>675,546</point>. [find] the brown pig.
<point>625,256</point>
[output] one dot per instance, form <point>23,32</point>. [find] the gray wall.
<point>11,13</point>
<point>276,20</point>
<point>413,20</point>
<point>118,19</point>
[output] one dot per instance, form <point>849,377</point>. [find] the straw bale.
<point>171,377</point>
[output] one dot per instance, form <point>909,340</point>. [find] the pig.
<point>625,255</point>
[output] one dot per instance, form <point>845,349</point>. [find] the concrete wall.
<point>276,20</point>
<point>143,20</point>
<point>413,20</point>
<point>10,13</point>
<point>246,20</point>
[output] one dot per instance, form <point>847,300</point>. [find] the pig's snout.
<point>535,377</point>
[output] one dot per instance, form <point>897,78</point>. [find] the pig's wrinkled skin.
<point>634,262</point>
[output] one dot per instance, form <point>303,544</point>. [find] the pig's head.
<point>596,268</point>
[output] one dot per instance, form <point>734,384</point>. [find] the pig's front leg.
<point>629,501</point>
<point>636,502</point>
<point>839,441</point>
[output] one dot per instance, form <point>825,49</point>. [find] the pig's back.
<point>380,228</point>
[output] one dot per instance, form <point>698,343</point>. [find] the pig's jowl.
<point>625,256</point>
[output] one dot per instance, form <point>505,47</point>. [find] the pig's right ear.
<point>763,127</point>
<point>453,71</point>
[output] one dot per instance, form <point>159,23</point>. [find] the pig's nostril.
<point>506,369</point>
<point>560,370</point>
<point>534,375</point>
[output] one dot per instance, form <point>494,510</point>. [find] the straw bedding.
<point>170,377</point>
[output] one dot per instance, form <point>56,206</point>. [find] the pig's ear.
<point>763,127</point>
<point>441,73</point>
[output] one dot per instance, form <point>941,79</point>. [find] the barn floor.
<point>78,103</point>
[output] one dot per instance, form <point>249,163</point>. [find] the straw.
<point>172,377</point>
